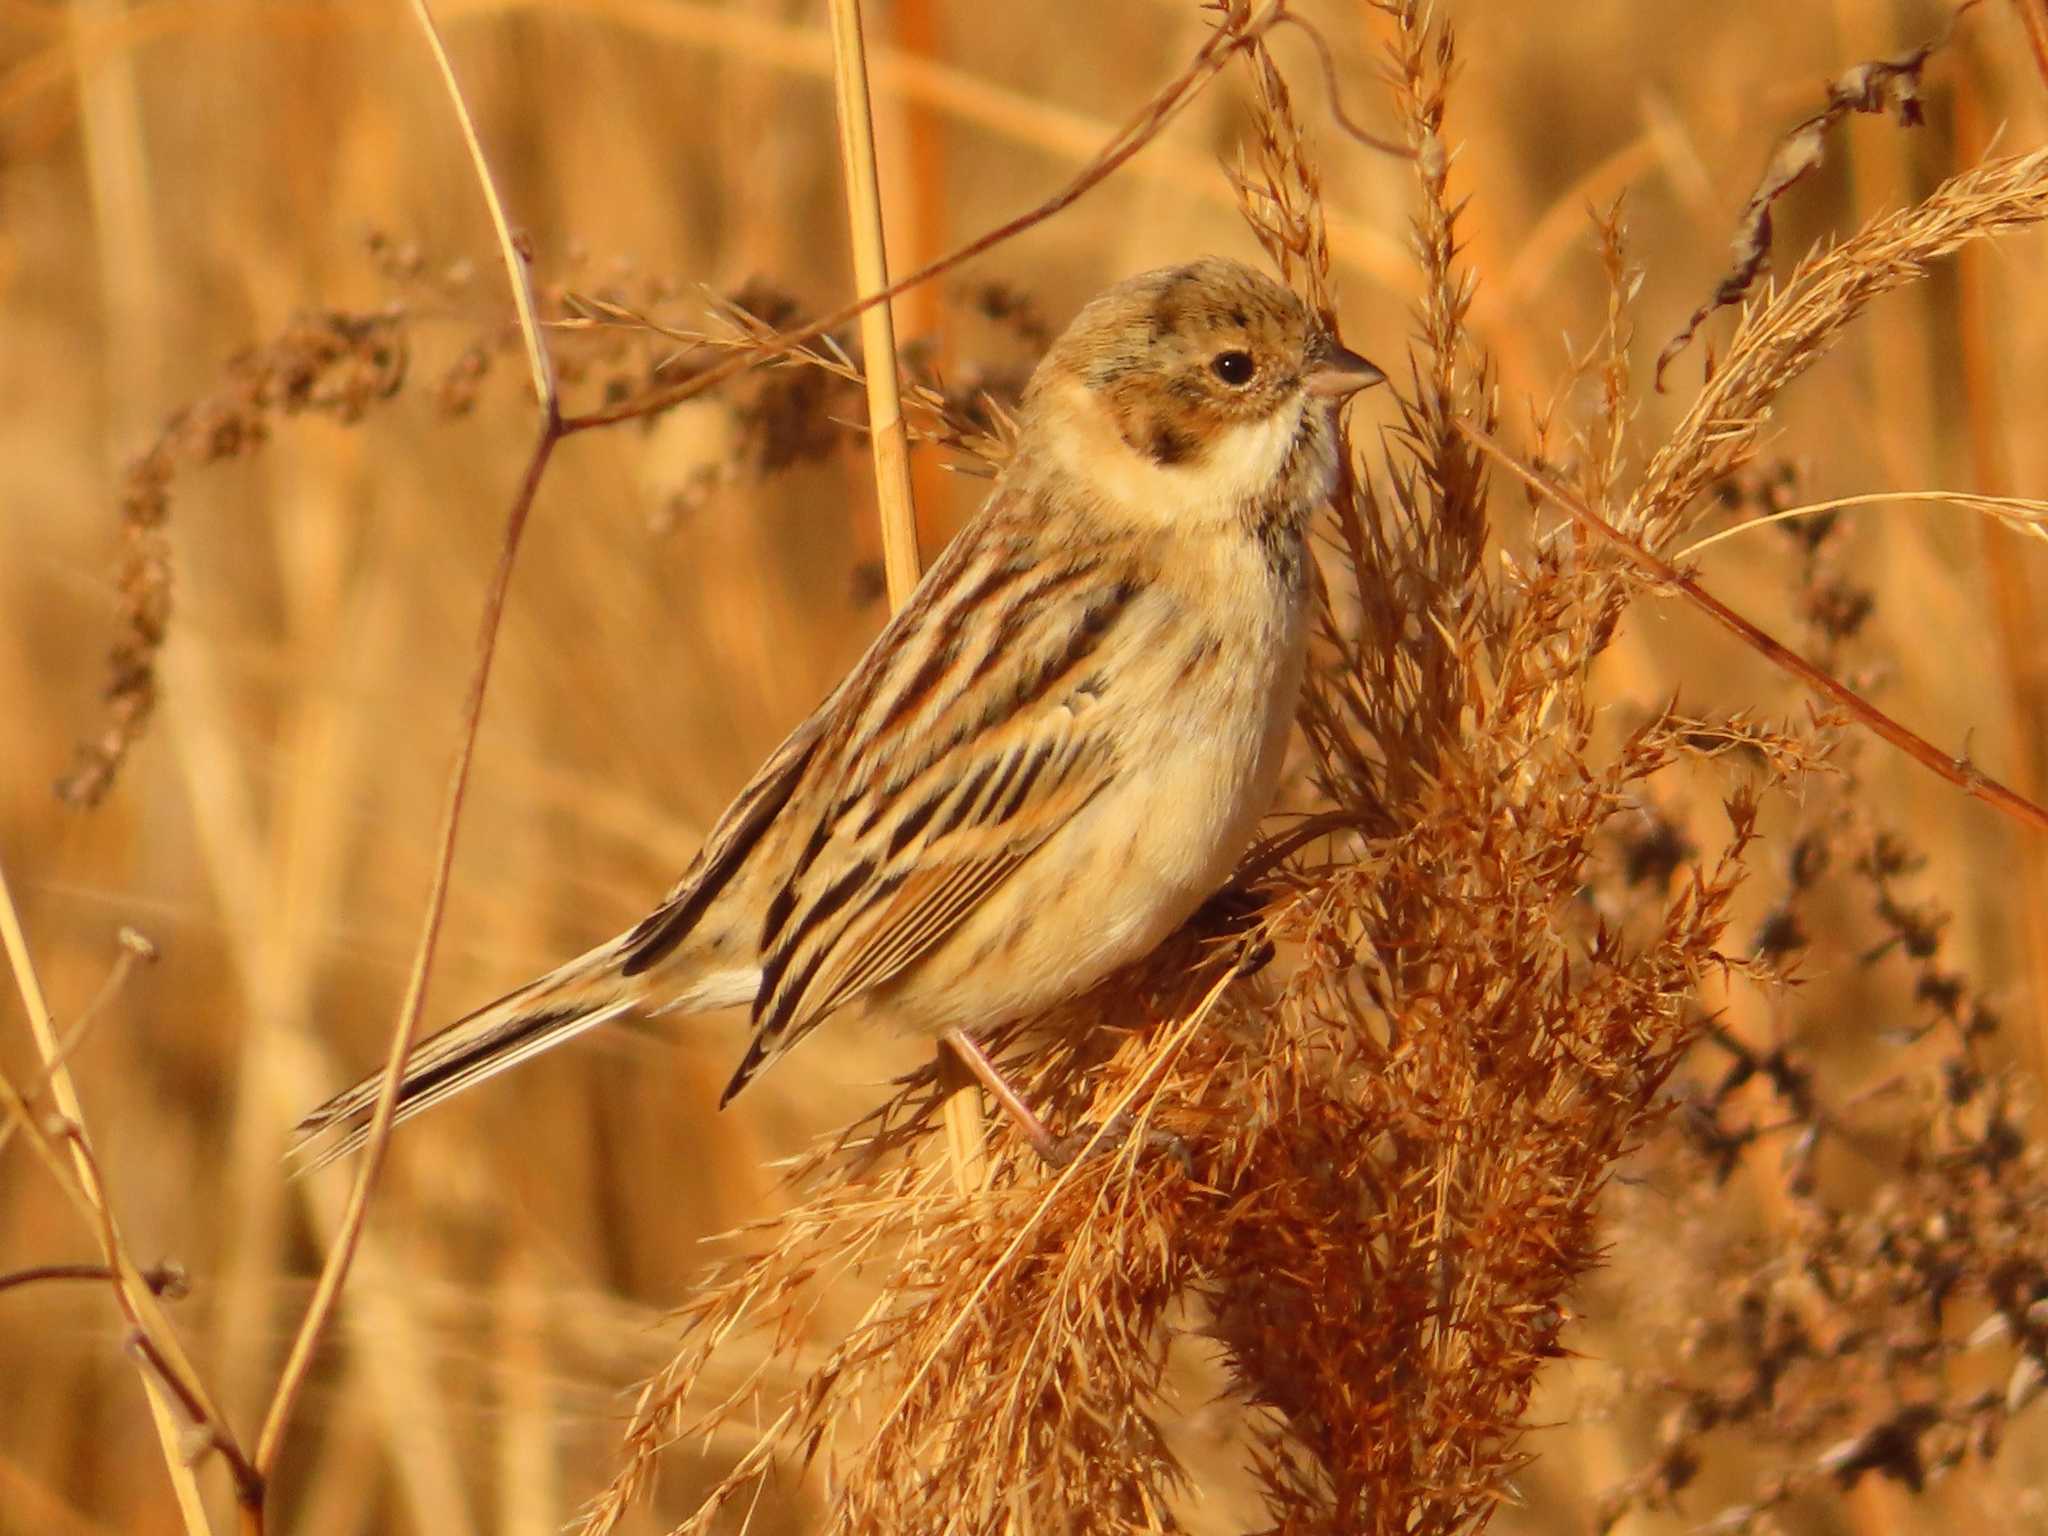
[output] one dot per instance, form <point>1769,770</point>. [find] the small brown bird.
<point>1049,758</point>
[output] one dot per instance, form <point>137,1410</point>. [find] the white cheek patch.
<point>1236,466</point>
<point>1244,460</point>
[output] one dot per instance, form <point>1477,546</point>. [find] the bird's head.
<point>1190,384</point>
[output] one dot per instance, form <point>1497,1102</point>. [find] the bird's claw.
<point>1092,1140</point>
<point>1235,912</point>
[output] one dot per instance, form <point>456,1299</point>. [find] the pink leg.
<point>976,1061</point>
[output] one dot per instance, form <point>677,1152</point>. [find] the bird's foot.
<point>1234,913</point>
<point>1089,1139</point>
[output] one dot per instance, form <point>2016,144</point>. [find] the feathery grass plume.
<point>1785,333</point>
<point>1279,191</point>
<point>1461,1054</point>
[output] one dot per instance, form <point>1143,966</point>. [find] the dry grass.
<point>1636,1127</point>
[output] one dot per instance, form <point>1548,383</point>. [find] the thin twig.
<point>2023,514</point>
<point>538,358</point>
<point>165,1363</point>
<point>334,1273</point>
<point>167,1280</point>
<point>1959,771</point>
<point>135,950</point>
<point>1336,95</point>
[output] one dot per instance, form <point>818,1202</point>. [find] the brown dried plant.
<point>1896,1323</point>
<point>330,362</point>
<point>1876,85</point>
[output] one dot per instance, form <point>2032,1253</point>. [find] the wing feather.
<point>924,912</point>
<point>1019,741</point>
<point>743,825</point>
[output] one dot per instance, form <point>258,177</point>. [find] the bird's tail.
<point>581,995</point>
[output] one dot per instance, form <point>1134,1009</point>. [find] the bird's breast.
<point>1228,693</point>
<point>1194,688</point>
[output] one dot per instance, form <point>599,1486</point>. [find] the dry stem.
<point>1958,770</point>
<point>173,1386</point>
<point>886,435</point>
<point>965,1135</point>
<point>334,1273</point>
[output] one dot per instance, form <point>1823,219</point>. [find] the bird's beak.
<point>1335,371</point>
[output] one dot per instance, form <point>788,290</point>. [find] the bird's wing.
<point>746,822</point>
<point>982,732</point>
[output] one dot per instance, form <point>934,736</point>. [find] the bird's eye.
<point>1233,367</point>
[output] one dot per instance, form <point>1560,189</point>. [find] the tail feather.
<point>559,1006</point>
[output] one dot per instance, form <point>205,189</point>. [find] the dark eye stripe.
<point>1170,445</point>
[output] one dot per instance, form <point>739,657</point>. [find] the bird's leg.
<point>1057,1151</point>
<point>975,1060</point>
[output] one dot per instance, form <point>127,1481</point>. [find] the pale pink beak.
<point>1336,372</point>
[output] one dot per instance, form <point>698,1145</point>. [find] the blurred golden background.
<point>178,178</point>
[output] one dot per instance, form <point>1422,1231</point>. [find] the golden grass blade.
<point>965,1135</point>
<point>886,437</point>
<point>2022,514</point>
<point>537,359</point>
